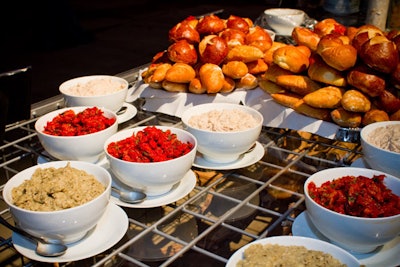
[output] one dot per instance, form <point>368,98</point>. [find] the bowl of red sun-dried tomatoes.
<point>76,133</point>
<point>151,158</point>
<point>355,208</point>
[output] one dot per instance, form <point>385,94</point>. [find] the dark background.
<point>64,39</point>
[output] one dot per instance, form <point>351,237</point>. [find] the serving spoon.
<point>131,197</point>
<point>44,247</point>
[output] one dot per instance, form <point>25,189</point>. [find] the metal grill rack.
<point>226,210</point>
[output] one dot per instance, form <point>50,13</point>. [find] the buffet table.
<point>213,212</point>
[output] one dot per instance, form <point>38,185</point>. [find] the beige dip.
<point>223,121</point>
<point>53,189</point>
<point>101,86</point>
<point>386,137</point>
<point>271,255</point>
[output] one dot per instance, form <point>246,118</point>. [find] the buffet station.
<point>272,141</point>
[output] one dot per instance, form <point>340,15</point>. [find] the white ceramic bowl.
<point>283,20</point>
<point>357,234</point>
<point>101,96</point>
<point>68,225</point>
<point>223,147</point>
<point>84,147</point>
<point>376,157</point>
<point>309,243</point>
<point>154,178</point>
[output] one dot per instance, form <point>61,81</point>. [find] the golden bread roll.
<point>270,87</point>
<point>306,37</point>
<point>233,37</point>
<point>237,23</point>
<point>183,52</point>
<point>336,53</point>
<point>196,87</point>
<point>329,26</point>
<point>210,24</point>
<point>258,37</point>
<point>248,81</point>
<point>366,80</point>
<point>380,54</point>
<point>374,115</point>
<point>174,87</point>
<point>211,77</point>
<point>268,55</point>
<point>213,49</point>
<point>355,101</point>
<point>286,99</point>
<point>319,71</point>
<point>161,57</point>
<point>184,30</point>
<point>228,86</point>
<point>298,84</point>
<point>256,67</point>
<point>274,71</point>
<point>180,73</point>
<point>159,73</point>
<point>326,97</point>
<point>316,113</point>
<point>395,116</point>
<point>364,33</point>
<point>245,53</point>
<point>346,118</point>
<point>235,69</point>
<point>291,58</point>
<point>388,101</point>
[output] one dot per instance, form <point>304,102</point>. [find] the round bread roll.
<point>213,49</point>
<point>182,52</point>
<point>345,118</point>
<point>336,53</point>
<point>235,69</point>
<point>159,73</point>
<point>388,101</point>
<point>233,37</point>
<point>366,80</point>
<point>248,81</point>
<point>245,53</point>
<point>228,86</point>
<point>291,58</point>
<point>237,23</point>
<point>325,97</point>
<point>211,77</point>
<point>306,37</point>
<point>184,30</point>
<point>365,33</point>
<point>321,72</point>
<point>355,101</point>
<point>196,87</point>
<point>258,37</point>
<point>329,26</point>
<point>180,73</point>
<point>268,55</point>
<point>256,67</point>
<point>374,115</point>
<point>210,24</point>
<point>274,71</point>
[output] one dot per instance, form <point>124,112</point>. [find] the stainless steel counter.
<point>226,209</point>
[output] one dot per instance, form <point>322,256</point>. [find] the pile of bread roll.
<point>346,75</point>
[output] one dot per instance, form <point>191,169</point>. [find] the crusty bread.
<point>374,115</point>
<point>180,73</point>
<point>248,81</point>
<point>211,77</point>
<point>256,67</point>
<point>270,87</point>
<point>306,37</point>
<point>317,113</point>
<point>299,84</point>
<point>346,118</point>
<point>291,58</point>
<point>286,99</point>
<point>245,53</point>
<point>274,71</point>
<point>326,97</point>
<point>355,101</point>
<point>366,80</point>
<point>235,69</point>
<point>319,71</point>
<point>268,55</point>
<point>174,87</point>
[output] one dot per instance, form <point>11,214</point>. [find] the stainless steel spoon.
<point>130,196</point>
<point>44,247</point>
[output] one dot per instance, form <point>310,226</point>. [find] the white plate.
<point>178,191</point>
<point>387,256</point>
<point>309,243</point>
<point>109,230</point>
<point>130,112</point>
<point>243,161</point>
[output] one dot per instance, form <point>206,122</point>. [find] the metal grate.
<point>226,210</point>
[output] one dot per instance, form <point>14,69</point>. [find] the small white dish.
<point>243,161</point>
<point>130,113</point>
<point>178,191</point>
<point>309,243</point>
<point>387,256</point>
<point>109,230</point>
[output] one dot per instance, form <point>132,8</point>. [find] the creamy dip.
<point>101,86</point>
<point>226,120</point>
<point>386,137</point>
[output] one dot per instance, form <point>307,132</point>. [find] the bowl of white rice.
<point>95,90</point>
<point>224,131</point>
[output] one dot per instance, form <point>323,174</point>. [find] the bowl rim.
<point>130,131</point>
<point>63,88</point>
<point>373,126</point>
<point>51,115</point>
<point>309,180</point>
<point>60,164</point>
<point>220,106</point>
<point>283,12</point>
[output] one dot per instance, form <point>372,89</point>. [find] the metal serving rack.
<point>226,210</point>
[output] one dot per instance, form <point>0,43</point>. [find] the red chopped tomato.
<point>149,145</point>
<point>69,123</point>
<point>357,196</point>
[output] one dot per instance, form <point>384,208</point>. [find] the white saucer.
<point>130,112</point>
<point>109,230</point>
<point>243,161</point>
<point>178,191</point>
<point>387,256</point>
